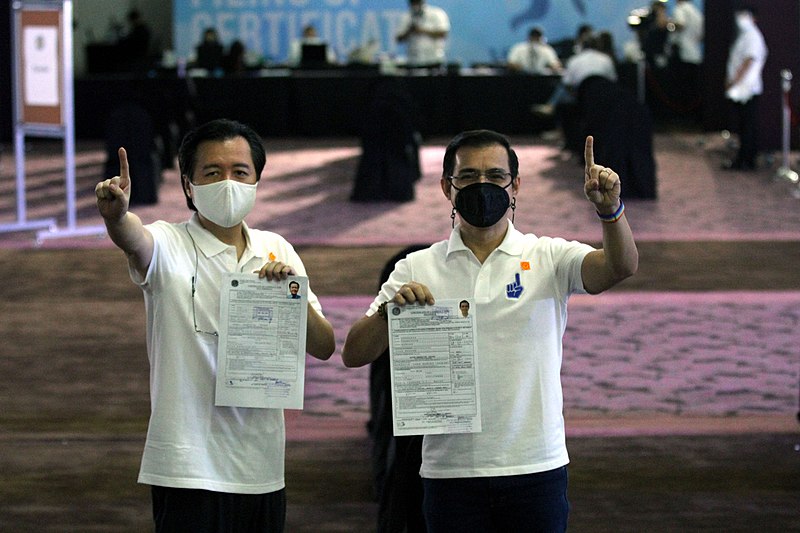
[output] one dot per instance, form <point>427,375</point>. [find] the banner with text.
<point>481,31</point>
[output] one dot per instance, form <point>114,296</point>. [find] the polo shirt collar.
<point>512,243</point>
<point>207,243</point>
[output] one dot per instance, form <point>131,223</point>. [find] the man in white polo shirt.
<point>512,475</point>
<point>211,468</point>
<point>534,55</point>
<point>744,85</point>
<point>424,30</point>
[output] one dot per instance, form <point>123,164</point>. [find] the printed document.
<point>40,52</point>
<point>434,369</point>
<point>262,341</point>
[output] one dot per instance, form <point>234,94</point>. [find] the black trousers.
<point>745,122</point>
<point>203,511</point>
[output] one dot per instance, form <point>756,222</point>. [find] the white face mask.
<point>744,21</point>
<point>224,202</point>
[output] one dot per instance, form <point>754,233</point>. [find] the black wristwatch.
<point>382,311</point>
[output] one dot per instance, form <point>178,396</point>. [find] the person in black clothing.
<point>656,36</point>
<point>134,47</point>
<point>233,63</point>
<point>209,51</point>
<point>389,164</point>
<point>395,460</point>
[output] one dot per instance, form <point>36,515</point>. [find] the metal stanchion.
<point>785,171</point>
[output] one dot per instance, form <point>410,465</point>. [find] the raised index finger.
<point>124,172</point>
<point>588,154</point>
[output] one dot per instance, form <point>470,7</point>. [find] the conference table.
<point>329,102</point>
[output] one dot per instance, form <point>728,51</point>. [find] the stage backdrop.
<point>482,31</point>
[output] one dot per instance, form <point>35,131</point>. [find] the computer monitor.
<point>313,55</point>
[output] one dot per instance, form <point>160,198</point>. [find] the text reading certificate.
<point>262,341</point>
<point>433,367</point>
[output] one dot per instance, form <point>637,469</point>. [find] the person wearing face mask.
<point>424,30</point>
<point>512,475</point>
<point>210,468</point>
<point>744,85</point>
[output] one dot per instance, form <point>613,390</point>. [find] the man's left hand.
<point>275,270</point>
<point>601,184</point>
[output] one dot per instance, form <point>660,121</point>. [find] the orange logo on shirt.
<point>525,265</point>
<point>271,256</point>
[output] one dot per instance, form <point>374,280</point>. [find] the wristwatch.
<point>382,311</point>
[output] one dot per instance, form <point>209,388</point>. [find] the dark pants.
<point>400,500</point>
<point>689,97</point>
<point>531,502</point>
<point>745,122</point>
<point>203,511</point>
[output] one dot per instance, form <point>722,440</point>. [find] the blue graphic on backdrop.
<point>539,9</point>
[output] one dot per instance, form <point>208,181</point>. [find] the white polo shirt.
<point>533,57</point>
<point>588,62</point>
<point>748,44</point>
<point>422,49</point>
<point>191,443</point>
<point>519,349</point>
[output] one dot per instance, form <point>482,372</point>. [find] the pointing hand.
<point>601,184</point>
<point>113,195</point>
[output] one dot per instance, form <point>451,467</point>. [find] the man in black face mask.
<point>512,475</point>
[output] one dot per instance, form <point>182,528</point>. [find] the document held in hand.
<point>434,369</point>
<point>262,341</point>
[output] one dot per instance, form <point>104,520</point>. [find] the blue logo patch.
<point>513,290</point>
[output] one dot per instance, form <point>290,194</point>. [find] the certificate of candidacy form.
<point>262,341</point>
<point>433,368</point>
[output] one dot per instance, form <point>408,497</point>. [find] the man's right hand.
<point>114,194</point>
<point>413,292</point>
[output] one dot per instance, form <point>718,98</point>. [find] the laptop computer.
<point>313,55</point>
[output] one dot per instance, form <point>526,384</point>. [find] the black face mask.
<point>482,204</point>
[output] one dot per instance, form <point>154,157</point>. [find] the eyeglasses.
<point>194,289</point>
<point>470,177</point>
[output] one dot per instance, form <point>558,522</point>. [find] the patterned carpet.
<point>703,355</point>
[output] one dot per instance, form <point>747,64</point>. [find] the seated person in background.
<point>310,36</point>
<point>209,51</point>
<point>584,33</point>
<point>534,56</point>
<point>364,54</point>
<point>590,61</point>
<point>234,62</point>
<point>566,48</point>
<point>604,42</point>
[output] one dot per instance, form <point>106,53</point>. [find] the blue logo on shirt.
<point>513,290</point>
